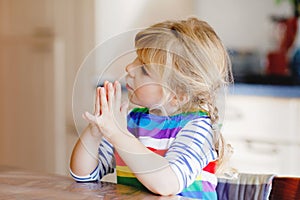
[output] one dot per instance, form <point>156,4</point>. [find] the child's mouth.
<point>128,87</point>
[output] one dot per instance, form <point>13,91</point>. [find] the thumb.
<point>89,117</point>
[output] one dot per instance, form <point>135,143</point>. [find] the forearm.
<point>152,170</point>
<point>84,157</point>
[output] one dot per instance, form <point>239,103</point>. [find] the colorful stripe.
<point>152,122</point>
<point>158,133</point>
<point>124,171</point>
<point>131,182</point>
<point>125,175</point>
<point>155,132</point>
<point>200,189</point>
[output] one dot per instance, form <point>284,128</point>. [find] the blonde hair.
<point>196,65</point>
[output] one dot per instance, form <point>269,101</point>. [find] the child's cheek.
<point>149,94</point>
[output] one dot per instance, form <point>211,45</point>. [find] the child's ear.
<point>179,100</point>
<point>184,99</point>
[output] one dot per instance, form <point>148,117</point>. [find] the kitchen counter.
<point>283,91</point>
<point>266,85</point>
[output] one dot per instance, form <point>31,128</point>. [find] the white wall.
<point>116,16</point>
<point>243,23</point>
<point>240,23</point>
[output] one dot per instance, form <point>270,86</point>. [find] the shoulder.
<point>203,121</point>
<point>195,119</point>
<point>199,127</point>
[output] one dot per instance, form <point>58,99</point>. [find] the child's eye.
<point>144,71</point>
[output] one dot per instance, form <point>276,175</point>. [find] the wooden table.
<point>23,184</point>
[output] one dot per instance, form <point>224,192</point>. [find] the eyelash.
<point>144,70</point>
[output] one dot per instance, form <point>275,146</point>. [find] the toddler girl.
<point>170,143</point>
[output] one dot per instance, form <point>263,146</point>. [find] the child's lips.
<point>128,87</point>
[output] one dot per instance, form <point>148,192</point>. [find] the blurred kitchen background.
<point>44,42</point>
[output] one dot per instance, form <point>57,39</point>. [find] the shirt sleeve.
<point>191,151</point>
<point>106,164</point>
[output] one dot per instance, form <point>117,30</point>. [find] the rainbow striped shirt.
<point>185,140</point>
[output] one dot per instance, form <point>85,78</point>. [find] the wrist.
<point>120,137</point>
<point>94,131</point>
<point>91,136</point>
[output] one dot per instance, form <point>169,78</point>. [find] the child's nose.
<point>129,69</point>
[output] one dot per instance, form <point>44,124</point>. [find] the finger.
<point>118,94</point>
<point>105,84</point>
<point>89,117</point>
<point>103,102</point>
<point>124,109</point>
<point>106,88</point>
<point>97,102</point>
<point>111,95</point>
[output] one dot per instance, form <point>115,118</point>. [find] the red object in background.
<point>277,63</point>
<point>277,60</point>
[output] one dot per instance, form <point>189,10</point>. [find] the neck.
<point>164,110</point>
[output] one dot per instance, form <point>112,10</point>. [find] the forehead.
<point>137,61</point>
<point>153,60</point>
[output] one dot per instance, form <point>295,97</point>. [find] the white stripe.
<point>106,158</point>
<point>206,176</point>
<point>159,144</point>
<point>179,177</point>
<point>187,142</point>
<point>85,178</point>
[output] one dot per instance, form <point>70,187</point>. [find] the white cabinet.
<point>264,132</point>
<point>42,43</point>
